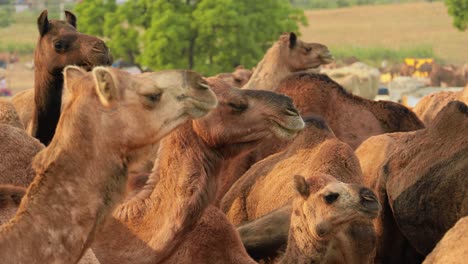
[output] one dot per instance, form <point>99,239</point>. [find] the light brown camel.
<point>452,247</point>
<point>405,169</point>
<point>238,78</point>
<point>450,75</point>
<point>59,44</point>
<point>323,221</point>
<point>163,221</point>
<point>353,119</point>
<point>289,54</point>
<point>264,187</point>
<point>81,175</point>
<point>430,105</point>
<point>17,148</point>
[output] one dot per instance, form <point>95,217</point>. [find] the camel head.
<point>325,204</point>
<point>60,44</point>
<point>241,76</point>
<point>300,55</point>
<point>247,116</point>
<point>139,109</point>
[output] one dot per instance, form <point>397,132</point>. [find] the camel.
<point>353,119</point>
<point>449,75</point>
<point>407,181</point>
<point>262,188</point>
<point>430,105</point>
<point>59,44</point>
<point>64,205</point>
<point>238,78</point>
<point>289,54</point>
<point>324,213</point>
<point>169,220</point>
<point>452,247</point>
<point>17,148</point>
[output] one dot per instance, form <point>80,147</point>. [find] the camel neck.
<point>180,187</point>
<point>269,72</point>
<point>304,245</point>
<point>78,181</point>
<point>47,103</point>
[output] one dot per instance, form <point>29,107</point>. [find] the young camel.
<point>81,175</point>
<point>323,218</point>
<point>289,54</point>
<point>430,105</point>
<point>399,169</point>
<point>59,44</point>
<point>238,78</point>
<point>167,220</point>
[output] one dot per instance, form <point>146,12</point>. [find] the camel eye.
<point>60,46</point>
<point>153,97</point>
<point>150,100</point>
<point>238,108</point>
<point>308,49</point>
<point>331,197</point>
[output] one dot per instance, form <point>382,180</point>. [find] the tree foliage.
<point>458,9</point>
<point>209,36</point>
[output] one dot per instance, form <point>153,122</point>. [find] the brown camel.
<point>430,105</point>
<point>353,119</point>
<point>289,54</point>
<point>405,169</point>
<point>163,221</point>
<point>452,247</point>
<point>81,175</point>
<point>59,44</point>
<point>262,188</point>
<point>324,216</point>
<point>238,78</point>
<point>449,75</point>
<point>10,198</point>
<point>17,148</point>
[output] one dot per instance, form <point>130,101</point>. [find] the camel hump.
<point>11,195</point>
<point>305,77</point>
<point>454,113</point>
<point>8,114</point>
<point>395,117</point>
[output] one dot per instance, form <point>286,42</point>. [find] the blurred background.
<point>393,48</point>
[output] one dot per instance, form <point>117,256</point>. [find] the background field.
<point>405,27</point>
<point>370,33</point>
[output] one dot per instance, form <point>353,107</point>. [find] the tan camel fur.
<point>59,44</point>
<point>289,54</point>
<point>158,223</point>
<point>323,221</point>
<point>452,247</point>
<point>238,78</point>
<point>266,186</point>
<point>17,148</point>
<point>81,175</point>
<point>430,105</point>
<point>406,176</point>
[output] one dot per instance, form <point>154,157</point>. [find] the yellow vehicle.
<point>416,63</point>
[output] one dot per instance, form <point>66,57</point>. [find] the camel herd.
<point>278,165</point>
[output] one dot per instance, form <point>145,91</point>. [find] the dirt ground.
<point>19,77</point>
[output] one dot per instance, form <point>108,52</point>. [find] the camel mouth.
<point>199,108</point>
<point>287,130</point>
<point>327,58</point>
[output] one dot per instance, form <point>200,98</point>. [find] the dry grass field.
<point>390,26</point>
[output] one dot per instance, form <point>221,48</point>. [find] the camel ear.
<point>106,86</point>
<point>240,67</point>
<point>292,40</point>
<point>71,74</point>
<point>43,23</point>
<point>301,186</point>
<point>71,18</point>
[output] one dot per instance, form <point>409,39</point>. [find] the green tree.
<point>458,9</point>
<point>209,36</point>
<point>91,15</point>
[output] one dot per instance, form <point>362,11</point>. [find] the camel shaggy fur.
<point>264,187</point>
<point>399,169</point>
<point>452,247</point>
<point>289,54</point>
<point>430,105</point>
<point>59,44</point>
<point>81,175</point>
<point>167,220</point>
<point>323,228</point>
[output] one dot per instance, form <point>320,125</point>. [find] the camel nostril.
<point>291,111</point>
<point>367,195</point>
